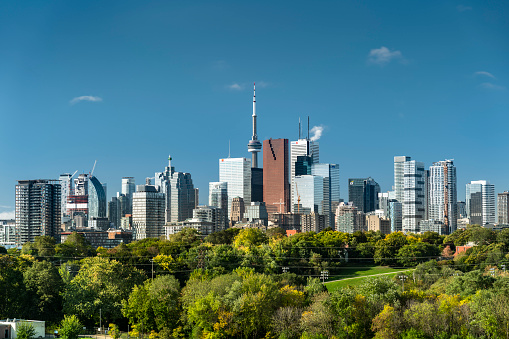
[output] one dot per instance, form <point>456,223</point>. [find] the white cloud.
<point>462,8</point>
<point>317,132</point>
<point>489,85</point>
<point>236,87</point>
<point>485,74</point>
<point>85,98</point>
<point>262,84</point>
<point>7,215</point>
<point>383,55</point>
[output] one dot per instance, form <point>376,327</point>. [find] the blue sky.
<point>129,82</point>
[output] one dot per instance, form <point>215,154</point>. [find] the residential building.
<point>480,202</point>
<point>349,218</point>
<point>378,224</point>
<point>65,190</point>
<point>128,189</point>
<point>148,212</point>
<point>236,172</point>
<point>363,193</point>
<point>503,208</point>
<point>114,212</point>
<point>414,206</point>
<point>7,233</point>
<point>396,215</point>
<point>331,199</point>
<point>212,214</point>
<point>442,195</point>
<point>287,221</point>
<point>96,199</point>
<point>399,177</point>
<point>37,209</point>
<point>276,182</point>
<point>432,225</point>
<point>313,222</point>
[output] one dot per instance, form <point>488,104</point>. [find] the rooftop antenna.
<point>308,127</point>
<point>299,128</point>
<point>228,149</point>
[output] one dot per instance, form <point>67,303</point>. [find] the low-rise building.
<point>378,224</point>
<point>313,222</point>
<point>9,328</point>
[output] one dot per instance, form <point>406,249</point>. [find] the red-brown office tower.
<point>276,183</point>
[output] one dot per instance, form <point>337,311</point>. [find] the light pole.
<point>285,269</point>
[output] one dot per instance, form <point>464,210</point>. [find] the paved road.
<point>367,276</point>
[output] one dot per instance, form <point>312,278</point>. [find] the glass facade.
<point>236,172</point>
<point>301,147</point>
<point>480,202</point>
<point>96,199</point>
<point>363,193</point>
<point>330,175</point>
<point>310,192</point>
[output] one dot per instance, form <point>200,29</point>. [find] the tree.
<point>250,237</point>
<point>44,286</point>
<point>275,232</point>
<point>74,246</point>
<point>70,327</point>
<point>469,283</point>
<point>223,237</point>
<point>3,250</point>
<point>25,330</point>
<point>412,254</point>
<point>155,304</point>
<point>114,331</point>
<point>100,286</point>
<point>387,249</point>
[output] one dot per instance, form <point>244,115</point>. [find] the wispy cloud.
<point>485,74</point>
<point>85,98</point>
<point>462,8</point>
<point>220,64</point>
<point>383,55</point>
<point>235,87</point>
<point>7,215</point>
<point>489,85</point>
<point>5,206</point>
<point>317,132</point>
<point>262,84</point>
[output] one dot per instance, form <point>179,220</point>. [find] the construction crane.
<point>298,198</point>
<point>93,168</point>
<point>73,174</point>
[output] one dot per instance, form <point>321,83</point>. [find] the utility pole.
<point>100,320</point>
<point>403,278</point>
<point>152,260</point>
<point>324,276</point>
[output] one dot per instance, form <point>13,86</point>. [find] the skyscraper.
<point>330,175</point>
<point>276,183</point>
<point>128,188</point>
<point>309,190</point>
<point>96,204</point>
<point>414,196</point>
<point>349,219</point>
<point>443,196</point>
<point>503,208</point>
<point>399,180</point>
<point>301,147</point>
<point>480,202</point>
<point>37,209</point>
<point>148,212</point>
<point>363,193</point>
<point>236,172</point>
<point>179,193</point>
<point>65,191</point>
<point>218,195</point>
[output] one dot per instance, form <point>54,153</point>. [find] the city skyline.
<point>126,96</point>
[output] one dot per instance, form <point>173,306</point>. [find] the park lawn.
<point>361,271</point>
<point>359,278</point>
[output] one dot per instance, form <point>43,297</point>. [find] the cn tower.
<point>254,146</point>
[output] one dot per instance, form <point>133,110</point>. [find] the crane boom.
<point>298,198</point>
<point>93,168</point>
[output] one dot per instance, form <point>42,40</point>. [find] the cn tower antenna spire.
<point>254,146</point>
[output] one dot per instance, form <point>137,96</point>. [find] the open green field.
<point>353,276</point>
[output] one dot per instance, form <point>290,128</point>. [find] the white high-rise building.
<point>443,194</point>
<point>65,191</point>
<point>414,197</point>
<point>399,181</point>
<point>148,212</point>
<point>480,202</point>
<point>301,147</point>
<point>128,186</point>
<point>236,172</point>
